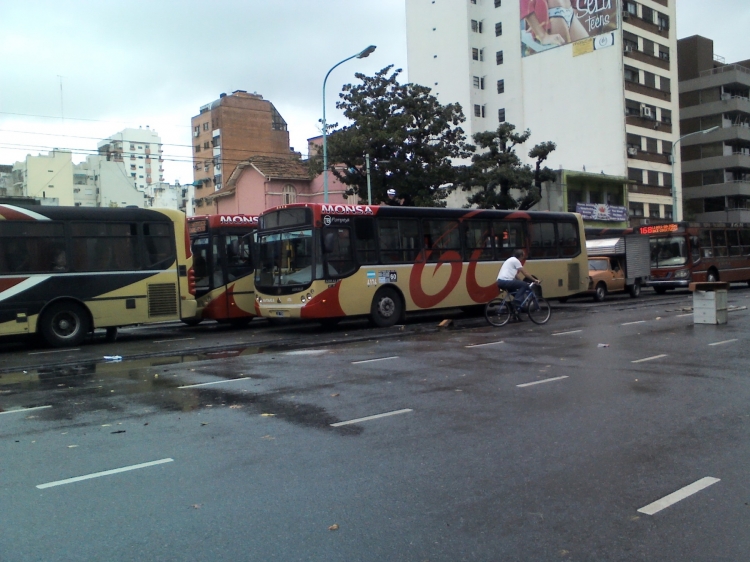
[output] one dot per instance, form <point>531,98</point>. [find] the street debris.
<point>603,345</point>
<point>267,415</point>
<point>118,431</point>
<point>334,527</point>
<point>334,395</point>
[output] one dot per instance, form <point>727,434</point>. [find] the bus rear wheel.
<point>64,324</point>
<point>386,308</point>
<point>712,276</point>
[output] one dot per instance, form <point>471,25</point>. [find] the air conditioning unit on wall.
<point>646,112</point>
<point>632,151</point>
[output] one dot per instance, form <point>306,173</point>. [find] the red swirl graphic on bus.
<point>477,292</point>
<point>422,299</point>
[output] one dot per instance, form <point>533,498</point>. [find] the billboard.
<point>548,24</point>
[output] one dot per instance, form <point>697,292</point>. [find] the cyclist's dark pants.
<point>521,288</point>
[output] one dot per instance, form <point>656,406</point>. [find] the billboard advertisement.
<point>548,24</point>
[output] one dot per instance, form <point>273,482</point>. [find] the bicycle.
<point>499,310</point>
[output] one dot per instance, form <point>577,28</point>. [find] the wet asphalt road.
<point>468,466</point>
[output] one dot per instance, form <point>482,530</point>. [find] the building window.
<point>197,148</point>
<point>498,3</point>
<point>636,209</point>
<point>666,116</point>
<point>668,212</point>
<point>653,177</point>
<point>631,8</point>
<point>501,115</point>
<point>498,29</point>
<point>649,79</point>
<point>667,180</point>
<point>476,26</point>
<point>196,130</point>
<point>664,84</point>
<point>631,75</point>
<point>205,126</point>
<point>206,145</point>
<point>499,57</point>
<point>636,175</point>
<point>500,86</point>
<point>653,211</point>
<point>288,195</point>
<point>662,20</point>
<point>475,54</point>
<point>476,82</point>
<point>649,47</point>
<point>477,110</point>
<point>647,14</point>
<point>481,82</point>
<point>473,1</point>
<point>663,52</point>
<point>481,55</point>
<point>652,145</point>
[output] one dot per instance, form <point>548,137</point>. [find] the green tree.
<point>498,178</point>
<point>410,137</point>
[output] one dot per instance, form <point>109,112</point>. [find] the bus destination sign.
<point>659,228</point>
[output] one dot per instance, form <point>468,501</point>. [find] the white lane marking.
<point>541,382</point>
<point>566,333</point>
<point>307,352</point>
<point>104,473</point>
<point>215,382</point>
<point>483,344</point>
<point>681,315</point>
<point>176,339</point>
<point>373,360</point>
<point>54,351</point>
<point>629,323</point>
<point>649,358</point>
<point>723,342</point>
<point>680,494</point>
<point>368,418</point>
<point>25,410</point>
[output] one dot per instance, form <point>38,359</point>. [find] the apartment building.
<point>715,124</point>
<point>46,178</point>
<point>593,76</point>
<point>140,152</point>
<point>228,131</point>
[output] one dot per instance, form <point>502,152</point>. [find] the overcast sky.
<point>137,63</point>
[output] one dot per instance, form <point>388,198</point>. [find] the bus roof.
<point>216,221</point>
<point>322,209</point>
<point>49,213</point>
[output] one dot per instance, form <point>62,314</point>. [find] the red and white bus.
<point>223,264</point>
<point>65,271</point>
<point>326,262</point>
<point>691,251</point>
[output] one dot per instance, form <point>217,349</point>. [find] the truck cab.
<point>606,275</point>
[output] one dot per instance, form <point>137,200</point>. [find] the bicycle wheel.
<point>539,310</point>
<point>497,312</point>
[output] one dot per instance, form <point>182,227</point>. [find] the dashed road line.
<point>368,418</point>
<point>681,315</point>
<point>630,323</point>
<point>307,352</point>
<point>566,333</point>
<point>100,474</point>
<point>373,360</point>
<point>723,342</point>
<point>541,382</point>
<point>649,358</point>
<point>483,344</point>
<point>214,382</point>
<point>25,410</point>
<point>679,495</point>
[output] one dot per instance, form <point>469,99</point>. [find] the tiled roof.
<point>270,167</point>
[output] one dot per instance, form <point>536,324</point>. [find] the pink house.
<point>262,182</point>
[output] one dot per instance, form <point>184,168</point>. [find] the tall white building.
<point>597,77</point>
<point>140,153</point>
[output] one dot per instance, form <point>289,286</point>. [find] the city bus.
<point>326,262</point>
<point>65,271</point>
<point>223,265</point>
<point>693,251</point>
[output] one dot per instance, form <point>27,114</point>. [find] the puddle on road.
<point>84,388</point>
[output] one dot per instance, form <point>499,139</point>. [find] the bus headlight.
<point>309,296</point>
<point>302,298</point>
<point>682,274</point>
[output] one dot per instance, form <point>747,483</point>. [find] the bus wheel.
<point>600,293</point>
<point>64,324</point>
<point>712,276</point>
<point>386,308</point>
<point>635,290</point>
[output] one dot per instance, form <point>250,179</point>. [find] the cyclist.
<point>508,278</point>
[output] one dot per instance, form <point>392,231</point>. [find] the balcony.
<point>653,124</point>
<point>649,156</point>
<point>728,105</point>
<point>730,188</point>
<point>647,59</point>
<point>647,91</point>
<point>734,161</point>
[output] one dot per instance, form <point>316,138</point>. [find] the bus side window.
<point>705,243</point>
<point>543,240</point>
<point>720,243</point>
<point>695,250</point>
<point>745,241</point>
<point>239,260</point>
<point>733,241</point>
<point>338,252</point>
<point>478,239</point>
<point>569,241</point>
<point>158,245</point>
<point>441,237</point>
<point>364,240</point>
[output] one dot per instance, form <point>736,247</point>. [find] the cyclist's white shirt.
<point>509,270</point>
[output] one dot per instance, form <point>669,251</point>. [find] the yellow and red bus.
<point>65,271</point>
<point>223,263</point>
<point>326,262</point>
<point>694,251</point>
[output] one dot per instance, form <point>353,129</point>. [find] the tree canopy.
<point>497,177</point>
<point>409,136</point>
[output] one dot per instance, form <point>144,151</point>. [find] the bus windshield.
<point>285,258</point>
<point>668,251</point>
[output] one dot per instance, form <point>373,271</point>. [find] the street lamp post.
<point>363,54</point>
<point>677,213</point>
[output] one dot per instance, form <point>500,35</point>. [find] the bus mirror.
<point>329,242</point>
